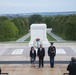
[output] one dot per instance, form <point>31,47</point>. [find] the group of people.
<point>41,55</point>
<point>51,53</point>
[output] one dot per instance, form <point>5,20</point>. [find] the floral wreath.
<point>37,42</point>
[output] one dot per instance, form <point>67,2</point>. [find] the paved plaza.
<point>13,58</point>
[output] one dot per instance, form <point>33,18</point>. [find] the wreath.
<point>37,42</point>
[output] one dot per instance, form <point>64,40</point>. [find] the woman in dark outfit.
<point>32,56</point>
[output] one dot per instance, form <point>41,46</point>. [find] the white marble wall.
<point>38,31</point>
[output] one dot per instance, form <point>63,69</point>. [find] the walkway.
<point>23,38</point>
<point>59,39</point>
<point>21,69</point>
<point>10,56</point>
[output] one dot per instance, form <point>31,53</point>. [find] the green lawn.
<point>28,39</point>
<point>50,38</point>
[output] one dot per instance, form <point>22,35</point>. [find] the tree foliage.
<point>35,19</point>
<point>64,26</point>
<point>12,29</point>
<point>22,24</point>
<point>8,30</point>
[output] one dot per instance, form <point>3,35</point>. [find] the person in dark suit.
<point>41,54</point>
<point>72,66</point>
<point>51,54</point>
<point>32,56</point>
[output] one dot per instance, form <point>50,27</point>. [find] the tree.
<point>49,22</point>
<point>26,24</point>
<point>8,30</point>
<point>35,19</point>
<point>3,18</point>
<point>22,24</point>
<point>70,30</point>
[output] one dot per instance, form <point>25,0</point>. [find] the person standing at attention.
<point>41,54</point>
<point>52,54</point>
<point>32,56</point>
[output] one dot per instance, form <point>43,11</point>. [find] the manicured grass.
<point>28,39</point>
<point>50,38</point>
<point>60,35</point>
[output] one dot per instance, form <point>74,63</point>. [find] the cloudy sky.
<point>27,6</point>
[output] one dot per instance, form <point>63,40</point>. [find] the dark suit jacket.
<point>41,53</point>
<point>32,55</point>
<point>72,68</point>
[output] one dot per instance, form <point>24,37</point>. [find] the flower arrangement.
<point>37,42</point>
<point>37,39</point>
